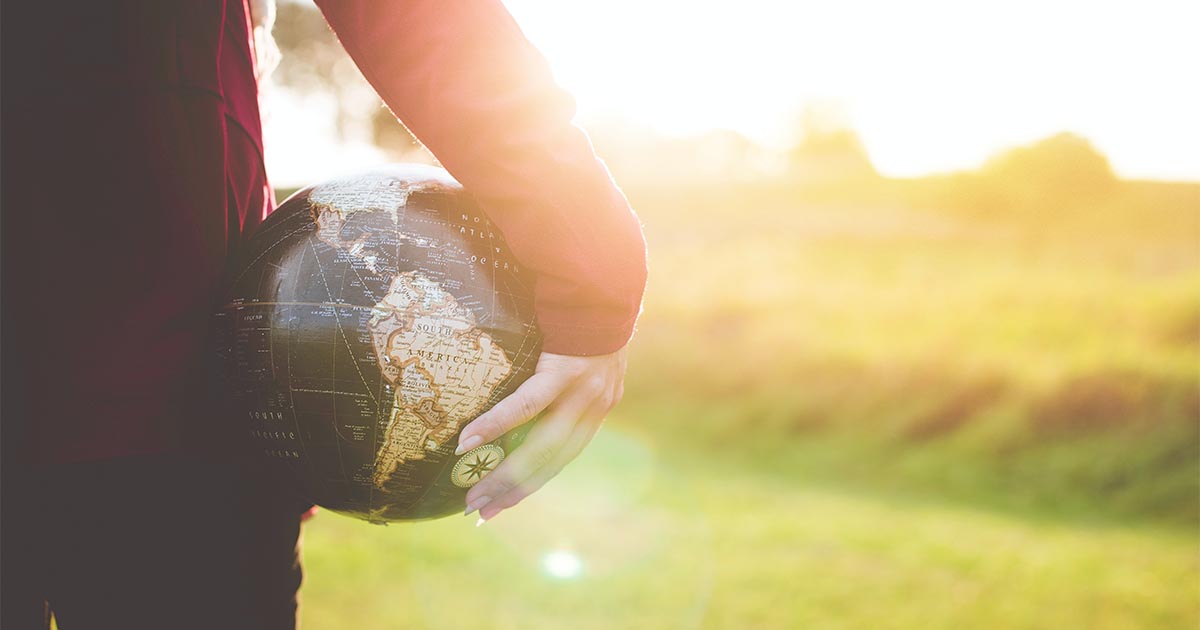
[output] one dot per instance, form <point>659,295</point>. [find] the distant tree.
<point>828,148</point>
<point>1061,164</point>
<point>1059,177</point>
<point>393,137</point>
<point>1053,177</point>
<point>313,61</point>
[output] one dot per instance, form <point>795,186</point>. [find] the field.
<point>881,404</point>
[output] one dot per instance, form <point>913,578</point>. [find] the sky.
<point>931,85</point>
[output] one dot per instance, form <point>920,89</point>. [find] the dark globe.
<point>370,319</point>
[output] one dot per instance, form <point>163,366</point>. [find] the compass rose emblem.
<point>475,464</point>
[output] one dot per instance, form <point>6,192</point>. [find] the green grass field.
<point>877,406</point>
<point>668,542</point>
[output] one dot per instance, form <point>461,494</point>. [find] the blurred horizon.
<point>930,87</point>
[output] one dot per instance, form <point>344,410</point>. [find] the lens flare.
<point>562,564</point>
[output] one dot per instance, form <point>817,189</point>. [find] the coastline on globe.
<point>369,320</point>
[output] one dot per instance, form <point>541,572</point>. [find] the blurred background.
<point>921,344</point>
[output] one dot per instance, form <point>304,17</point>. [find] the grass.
<point>669,542</point>
<point>877,405</point>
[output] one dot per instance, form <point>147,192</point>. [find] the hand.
<point>575,393</point>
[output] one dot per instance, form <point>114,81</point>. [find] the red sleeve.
<point>467,83</point>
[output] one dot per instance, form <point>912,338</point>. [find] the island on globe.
<point>370,319</point>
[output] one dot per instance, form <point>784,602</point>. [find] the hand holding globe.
<point>574,394</point>
<point>372,319</point>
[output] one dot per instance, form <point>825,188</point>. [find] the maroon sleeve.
<point>467,83</point>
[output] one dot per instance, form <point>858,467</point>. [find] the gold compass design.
<point>475,464</point>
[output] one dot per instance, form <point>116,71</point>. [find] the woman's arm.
<point>467,83</point>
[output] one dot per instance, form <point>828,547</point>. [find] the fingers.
<point>539,449</point>
<point>516,409</point>
<point>585,425</point>
<point>574,394</point>
<point>584,431</point>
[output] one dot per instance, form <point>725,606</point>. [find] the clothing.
<point>132,169</point>
<point>153,541</point>
<point>126,123</point>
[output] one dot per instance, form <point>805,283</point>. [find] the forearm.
<point>467,83</point>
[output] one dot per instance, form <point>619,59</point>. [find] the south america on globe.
<point>370,319</point>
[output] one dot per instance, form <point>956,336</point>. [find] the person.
<point>132,171</point>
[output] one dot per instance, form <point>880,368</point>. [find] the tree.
<point>1063,164</point>
<point>829,149</point>
<point>314,61</point>
<point>1054,178</point>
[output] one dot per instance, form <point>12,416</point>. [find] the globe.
<point>371,318</point>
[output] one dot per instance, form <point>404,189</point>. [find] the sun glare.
<point>931,85</point>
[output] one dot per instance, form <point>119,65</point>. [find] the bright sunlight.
<point>931,85</point>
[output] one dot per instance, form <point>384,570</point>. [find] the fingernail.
<point>481,521</point>
<point>468,444</point>
<point>476,504</point>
